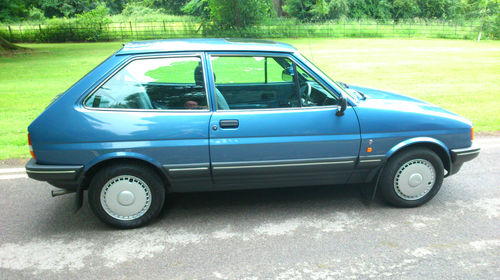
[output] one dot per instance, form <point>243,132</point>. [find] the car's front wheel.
<point>412,177</point>
<point>126,195</point>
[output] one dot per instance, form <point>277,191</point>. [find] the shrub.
<point>94,21</point>
<point>237,14</point>
<point>55,30</point>
<point>338,9</point>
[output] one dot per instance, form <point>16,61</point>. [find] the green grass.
<point>462,76</point>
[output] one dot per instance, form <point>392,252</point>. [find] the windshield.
<point>328,79</point>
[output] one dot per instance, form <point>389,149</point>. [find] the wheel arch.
<point>425,142</point>
<point>120,158</point>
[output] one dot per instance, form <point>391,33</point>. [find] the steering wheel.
<point>306,98</point>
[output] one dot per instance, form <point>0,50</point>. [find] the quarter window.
<point>173,83</point>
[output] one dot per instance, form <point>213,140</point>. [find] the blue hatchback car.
<point>225,114</point>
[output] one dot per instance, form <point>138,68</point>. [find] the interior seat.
<point>219,98</point>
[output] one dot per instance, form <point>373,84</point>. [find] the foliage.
<point>94,21</point>
<point>338,9</point>
<point>170,6</point>
<point>405,9</point>
<point>198,8</point>
<point>87,26</point>
<point>12,10</point>
<point>65,8</point>
<point>35,14</point>
<point>385,10</point>
<point>300,9</point>
<point>237,14</point>
<point>137,10</point>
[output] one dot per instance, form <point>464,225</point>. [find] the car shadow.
<point>184,210</point>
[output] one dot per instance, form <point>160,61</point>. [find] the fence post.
<point>10,34</point>
<point>164,29</point>
<point>409,31</point>
<point>344,28</point>
<point>70,31</point>
<point>121,30</point>
<point>131,33</point>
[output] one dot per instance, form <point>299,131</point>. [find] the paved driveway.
<point>301,233</point>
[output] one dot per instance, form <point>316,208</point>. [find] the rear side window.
<point>174,83</point>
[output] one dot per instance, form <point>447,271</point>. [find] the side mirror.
<point>287,75</point>
<point>341,106</point>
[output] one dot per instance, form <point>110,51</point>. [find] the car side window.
<point>313,93</point>
<point>253,82</point>
<point>172,83</point>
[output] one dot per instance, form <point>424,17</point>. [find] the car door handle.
<point>229,123</point>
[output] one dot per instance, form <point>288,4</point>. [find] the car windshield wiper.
<point>363,96</point>
<point>346,87</point>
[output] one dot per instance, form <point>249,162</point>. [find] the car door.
<point>266,136</point>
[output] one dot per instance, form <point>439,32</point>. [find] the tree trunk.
<point>6,45</point>
<point>278,6</point>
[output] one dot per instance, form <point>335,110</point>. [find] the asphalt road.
<point>300,233</point>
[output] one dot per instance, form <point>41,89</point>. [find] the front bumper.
<point>459,156</point>
<point>61,176</point>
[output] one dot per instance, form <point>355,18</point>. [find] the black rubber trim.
<point>42,172</point>
<point>459,156</point>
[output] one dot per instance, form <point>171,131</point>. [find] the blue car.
<point>224,114</point>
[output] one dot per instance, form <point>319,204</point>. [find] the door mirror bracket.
<point>341,106</point>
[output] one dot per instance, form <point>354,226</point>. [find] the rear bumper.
<point>459,156</point>
<point>61,176</point>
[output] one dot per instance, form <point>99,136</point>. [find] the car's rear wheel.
<point>412,177</point>
<point>126,195</point>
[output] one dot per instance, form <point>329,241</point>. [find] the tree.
<point>6,45</point>
<point>237,14</point>
<point>12,10</point>
<point>278,6</point>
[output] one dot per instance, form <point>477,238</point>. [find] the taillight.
<point>472,133</point>
<point>31,147</point>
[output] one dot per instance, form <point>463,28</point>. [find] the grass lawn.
<point>462,76</point>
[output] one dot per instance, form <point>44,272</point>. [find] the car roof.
<point>204,44</point>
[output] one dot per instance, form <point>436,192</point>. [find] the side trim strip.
<point>282,165</point>
<point>467,153</point>
<point>51,171</point>
<point>187,169</point>
<point>369,160</point>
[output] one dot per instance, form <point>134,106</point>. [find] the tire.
<point>126,195</point>
<point>412,177</point>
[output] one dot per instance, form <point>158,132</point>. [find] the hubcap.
<point>414,179</point>
<point>126,197</point>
